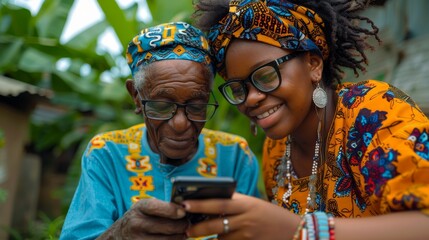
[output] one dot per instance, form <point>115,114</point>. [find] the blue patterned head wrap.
<point>176,40</point>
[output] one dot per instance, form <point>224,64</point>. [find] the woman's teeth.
<point>268,113</point>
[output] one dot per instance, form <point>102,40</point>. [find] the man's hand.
<point>150,219</point>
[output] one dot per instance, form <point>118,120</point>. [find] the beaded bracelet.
<point>298,233</point>
<point>331,225</point>
<point>321,221</point>
<point>315,223</point>
<point>315,226</point>
<point>309,226</point>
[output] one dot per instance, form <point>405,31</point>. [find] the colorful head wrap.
<point>176,40</point>
<point>275,22</point>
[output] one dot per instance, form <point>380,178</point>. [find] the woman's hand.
<point>248,217</point>
<point>150,219</point>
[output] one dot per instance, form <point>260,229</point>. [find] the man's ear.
<point>134,95</point>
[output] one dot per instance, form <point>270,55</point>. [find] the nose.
<point>179,121</point>
<point>254,96</point>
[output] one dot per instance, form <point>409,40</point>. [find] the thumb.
<point>155,207</point>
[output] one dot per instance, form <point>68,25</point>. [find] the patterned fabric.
<point>119,168</point>
<point>377,159</point>
<point>175,40</point>
<point>275,22</point>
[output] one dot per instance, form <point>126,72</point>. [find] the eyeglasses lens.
<point>235,92</point>
<point>160,110</point>
<point>265,79</point>
<point>200,112</point>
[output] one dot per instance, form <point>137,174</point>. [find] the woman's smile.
<point>268,113</point>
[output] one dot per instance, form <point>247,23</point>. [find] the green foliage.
<point>167,10</point>
<point>124,28</point>
<point>2,141</point>
<point>3,195</point>
<point>42,229</point>
<point>46,228</point>
<point>51,18</point>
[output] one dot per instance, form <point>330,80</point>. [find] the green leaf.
<point>52,17</point>
<point>35,61</point>
<point>3,195</point>
<point>71,138</point>
<point>14,20</point>
<point>10,50</point>
<point>166,10</point>
<point>131,12</point>
<point>76,82</point>
<point>72,100</point>
<point>113,91</point>
<point>87,39</point>
<point>124,28</point>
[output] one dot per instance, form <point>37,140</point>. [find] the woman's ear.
<point>315,63</point>
<point>134,95</point>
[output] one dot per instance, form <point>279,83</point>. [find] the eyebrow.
<point>162,92</point>
<point>200,94</point>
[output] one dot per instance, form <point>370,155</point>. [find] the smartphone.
<point>185,188</point>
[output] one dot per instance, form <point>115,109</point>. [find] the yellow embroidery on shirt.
<point>138,164</point>
<point>142,183</point>
<point>96,143</point>
<point>207,167</point>
<point>225,139</point>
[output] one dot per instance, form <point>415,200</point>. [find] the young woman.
<point>341,160</point>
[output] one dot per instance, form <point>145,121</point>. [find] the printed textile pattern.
<point>377,158</point>
<point>142,166</point>
<point>175,40</point>
<point>119,168</point>
<point>275,22</point>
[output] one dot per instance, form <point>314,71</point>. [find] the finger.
<point>155,207</point>
<point>221,226</point>
<point>164,237</point>
<point>215,206</point>
<point>238,196</point>
<point>157,225</point>
<point>205,228</point>
<point>230,236</point>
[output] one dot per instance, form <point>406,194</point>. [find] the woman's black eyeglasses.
<point>265,78</point>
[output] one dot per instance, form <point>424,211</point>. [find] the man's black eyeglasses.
<point>165,110</point>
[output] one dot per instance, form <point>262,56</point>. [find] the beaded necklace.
<point>284,171</point>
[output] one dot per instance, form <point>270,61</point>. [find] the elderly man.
<point>125,186</point>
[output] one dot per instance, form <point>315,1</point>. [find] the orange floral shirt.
<point>377,158</point>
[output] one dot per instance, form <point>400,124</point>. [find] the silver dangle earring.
<point>253,128</point>
<point>320,98</point>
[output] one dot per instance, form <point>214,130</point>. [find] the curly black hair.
<point>346,36</point>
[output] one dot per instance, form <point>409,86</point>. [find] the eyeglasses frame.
<point>178,105</point>
<point>243,82</point>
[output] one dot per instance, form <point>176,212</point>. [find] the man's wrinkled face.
<point>181,81</point>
